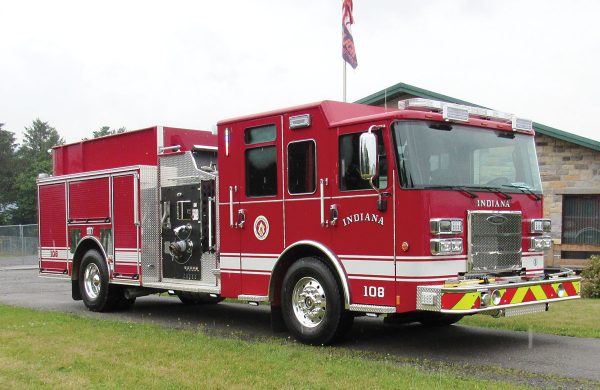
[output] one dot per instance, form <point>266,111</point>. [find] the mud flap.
<point>277,324</point>
<point>75,293</point>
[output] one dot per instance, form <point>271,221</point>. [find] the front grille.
<point>494,241</point>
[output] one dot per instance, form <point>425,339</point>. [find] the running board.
<point>253,298</point>
<point>184,287</point>
<point>372,309</point>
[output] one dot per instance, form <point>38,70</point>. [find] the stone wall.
<point>566,169</point>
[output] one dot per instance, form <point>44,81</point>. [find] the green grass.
<point>579,318</point>
<point>50,350</point>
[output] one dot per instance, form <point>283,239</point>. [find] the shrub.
<point>591,278</point>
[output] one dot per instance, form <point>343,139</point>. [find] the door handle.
<point>210,219</point>
<point>241,218</point>
<point>333,214</point>
<point>230,206</point>
<point>322,184</point>
<point>232,189</point>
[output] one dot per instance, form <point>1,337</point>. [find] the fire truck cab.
<point>428,213</point>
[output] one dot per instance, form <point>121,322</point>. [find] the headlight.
<point>540,243</point>
<point>541,226</point>
<point>446,226</point>
<point>445,246</point>
<point>486,299</point>
<point>496,297</point>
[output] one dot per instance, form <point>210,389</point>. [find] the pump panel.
<point>182,232</point>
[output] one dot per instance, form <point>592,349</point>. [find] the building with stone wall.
<point>571,180</point>
<point>570,173</point>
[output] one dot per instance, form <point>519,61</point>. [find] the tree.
<point>26,191</point>
<point>106,130</point>
<point>38,140</point>
<point>8,171</point>
<point>34,157</point>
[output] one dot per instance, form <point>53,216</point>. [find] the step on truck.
<point>325,211</point>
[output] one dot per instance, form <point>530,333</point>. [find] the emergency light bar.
<point>455,113</point>
<point>461,113</point>
<point>522,124</point>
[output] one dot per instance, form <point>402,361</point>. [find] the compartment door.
<point>53,228</point>
<point>126,226</point>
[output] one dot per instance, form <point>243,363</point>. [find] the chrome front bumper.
<point>498,297</point>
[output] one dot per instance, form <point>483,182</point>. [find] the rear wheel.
<point>312,303</point>
<point>96,292</point>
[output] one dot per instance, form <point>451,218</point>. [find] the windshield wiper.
<point>524,188</point>
<point>495,190</point>
<point>472,195</point>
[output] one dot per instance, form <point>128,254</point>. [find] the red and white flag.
<point>348,51</point>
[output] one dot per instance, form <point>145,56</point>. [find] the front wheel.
<point>312,303</point>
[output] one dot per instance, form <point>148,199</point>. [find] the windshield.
<point>433,154</point>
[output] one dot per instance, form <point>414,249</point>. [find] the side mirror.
<point>368,155</point>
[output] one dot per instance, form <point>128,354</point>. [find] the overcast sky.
<point>81,65</point>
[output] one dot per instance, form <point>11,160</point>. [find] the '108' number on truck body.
<point>374,292</point>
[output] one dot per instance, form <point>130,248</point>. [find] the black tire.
<point>188,298</point>
<point>96,292</point>
<point>439,319</point>
<point>312,303</point>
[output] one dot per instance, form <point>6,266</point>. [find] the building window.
<point>302,173</point>
<point>350,178</point>
<point>581,219</point>
<point>261,171</point>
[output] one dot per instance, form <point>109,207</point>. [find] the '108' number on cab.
<point>374,292</point>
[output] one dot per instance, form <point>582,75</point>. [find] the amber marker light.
<point>405,246</point>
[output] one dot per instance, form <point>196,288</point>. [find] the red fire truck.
<point>428,213</point>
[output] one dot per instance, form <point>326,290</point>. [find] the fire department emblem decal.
<point>261,227</point>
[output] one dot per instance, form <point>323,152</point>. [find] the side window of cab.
<point>349,174</point>
<point>302,167</point>
<point>260,161</point>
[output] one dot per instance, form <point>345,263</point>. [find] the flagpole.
<point>344,81</point>
<point>348,51</point>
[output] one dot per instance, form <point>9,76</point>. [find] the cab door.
<point>260,212</point>
<point>308,181</point>
<point>364,233</point>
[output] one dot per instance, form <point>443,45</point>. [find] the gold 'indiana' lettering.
<point>492,203</point>
<point>363,217</point>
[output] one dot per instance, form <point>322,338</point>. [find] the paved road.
<point>18,261</point>
<point>546,354</point>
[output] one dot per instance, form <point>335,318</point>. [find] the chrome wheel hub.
<point>91,281</point>
<point>309,302</point>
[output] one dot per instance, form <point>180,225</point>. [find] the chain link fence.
<point>19,240</point>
